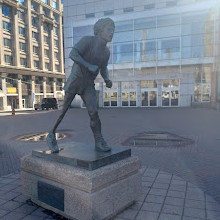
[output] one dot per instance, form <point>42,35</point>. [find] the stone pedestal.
<point>84,186</point>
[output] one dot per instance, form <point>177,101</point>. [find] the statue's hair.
<point>101,23</point>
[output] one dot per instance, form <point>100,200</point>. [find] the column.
<point>29,36</point>
<point>33,90</point>
<point>52,49</point>
<point>139,95</point>
<point>1,38</point>
<point>4,90</point>
<point>61,42</point>
<point>45,87</point>
<point>119,94</point>
<point>54,87</point>
<point>41,39</point>
<point>159,87</point>
<point>16,55</point>
<point>20,106</point>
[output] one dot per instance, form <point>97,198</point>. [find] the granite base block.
<point>98,194</point>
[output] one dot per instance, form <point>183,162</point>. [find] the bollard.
<point>13,111</point>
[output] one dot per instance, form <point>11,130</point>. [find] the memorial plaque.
<point>51,195</point>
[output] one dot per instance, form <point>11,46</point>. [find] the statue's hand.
<point>93,68</point>
<point>108,83</point>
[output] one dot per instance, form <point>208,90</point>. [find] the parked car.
<point>46,104</point>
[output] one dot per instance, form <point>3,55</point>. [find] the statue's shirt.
<point>93,53</point>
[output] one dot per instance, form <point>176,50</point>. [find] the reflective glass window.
<point>110,12</point>
<point>23,61</point>
<point>168,20</point>
<point>6,26</point>
<point>144,34</point>
<point>6,11</point>
<point>149,6</point>
<point>21,31</point>
<point>22,46</point>
<point>8,59</point>
<point>127,10</point>
<point>123,36</point>
<point>145,23</point>
<point>124,26</point>
<point>21,15</point>
<point>148,84</point>
<point>123,47</point>
<point>7,42</point>
<point>168,31</point>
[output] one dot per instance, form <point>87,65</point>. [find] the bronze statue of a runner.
<point>90,56</point>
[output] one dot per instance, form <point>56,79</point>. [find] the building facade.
<point>31,52</point>
<point>164,52</point>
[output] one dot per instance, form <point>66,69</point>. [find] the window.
<point>54,4</point>
<point>46,12</point>
<point>106,13</point>
<point>46,53</point>
<point>149,6</point>
<point>46,28</point>
<point>34,6</point>
<point>56,55</point>
<point>21,16</point>
<point>47,66</point>
<point>55,17</point>
<point>21,31</point>
<point>8,59</point>
<point>55,30</point>
<point>55,43</point>
<point>6,11</point>
<point>7,43</point>
<point>22,46</point>
<point>126,10</point>
<point>21,2</point>
<point>35,50</point>
<point>23,61</point>
<point>36,64</point>
<point>90,15</point>
<point>34,21</point>
<point>45,1</point>
<point>171,3</point>
<point>57,67</point>
<point>46,39</point>
<point>35,35</point>
<point>6,26</point>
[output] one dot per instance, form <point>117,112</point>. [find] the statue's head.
<point>105,27</point>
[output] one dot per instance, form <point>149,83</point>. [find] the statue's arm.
<point>104,72</point>
<point>76,54</point>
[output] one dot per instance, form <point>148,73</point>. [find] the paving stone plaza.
<point>179,184</point>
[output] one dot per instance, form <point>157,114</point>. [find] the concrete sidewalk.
<point>164,197</point>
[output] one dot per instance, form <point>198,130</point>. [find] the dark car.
<point>46,104</point>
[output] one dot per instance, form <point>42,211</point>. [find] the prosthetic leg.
<point>51,137</point>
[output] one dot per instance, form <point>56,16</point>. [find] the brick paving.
<point>186,183</point>
<point>164,197</point>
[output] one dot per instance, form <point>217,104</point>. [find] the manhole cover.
<point>158,139</point>
<point>41,137</point>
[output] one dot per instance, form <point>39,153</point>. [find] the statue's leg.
<point>89,98</point>
<point>51,137</point>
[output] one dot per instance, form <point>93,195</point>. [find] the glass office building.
<point>163,54</point>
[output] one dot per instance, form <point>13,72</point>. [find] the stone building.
<point>31,52</point>
<point>164,52</point>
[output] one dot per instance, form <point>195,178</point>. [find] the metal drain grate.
<point>158,139</point>
<point>41,137</point>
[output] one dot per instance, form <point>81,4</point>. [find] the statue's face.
<point>107,33</point>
